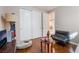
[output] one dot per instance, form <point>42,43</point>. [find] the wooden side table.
<point>47,43</point>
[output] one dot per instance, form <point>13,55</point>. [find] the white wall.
<point>2,27</point>
<point>36,24</point>
<point>13,9</point>
<point>25,25</point>
<point>37,21</point>
<point>45,23</point>
<point>67,18</point>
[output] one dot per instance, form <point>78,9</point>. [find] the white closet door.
<point>36,24</point>
<point>25,25</point>
<point>45,23</point>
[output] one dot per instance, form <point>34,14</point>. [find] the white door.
<point>25,25</point>
<point>36,24</point>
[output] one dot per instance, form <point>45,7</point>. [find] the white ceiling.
<point>46,8</point>
<point>42,8</point>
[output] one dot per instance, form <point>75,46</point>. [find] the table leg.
<point>51,47</point>
<point>41,46</point>
<point>45,47</point>
<point>48,47</point>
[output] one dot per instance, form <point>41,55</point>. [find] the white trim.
<point>73,43</point>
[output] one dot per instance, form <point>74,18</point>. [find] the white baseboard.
<point>73,43</point>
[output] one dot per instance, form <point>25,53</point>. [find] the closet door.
<point>45,23</point>
<point>25,25</point>
<point>36,24</point>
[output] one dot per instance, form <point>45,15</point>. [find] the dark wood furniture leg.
<point>45,47</point>
<point>41,46</point>
<point>48,47</point>
<point>51,47</point>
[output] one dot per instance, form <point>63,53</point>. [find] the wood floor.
<point>36,48</point>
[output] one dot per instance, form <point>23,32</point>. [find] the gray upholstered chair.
<point>61,37</point>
